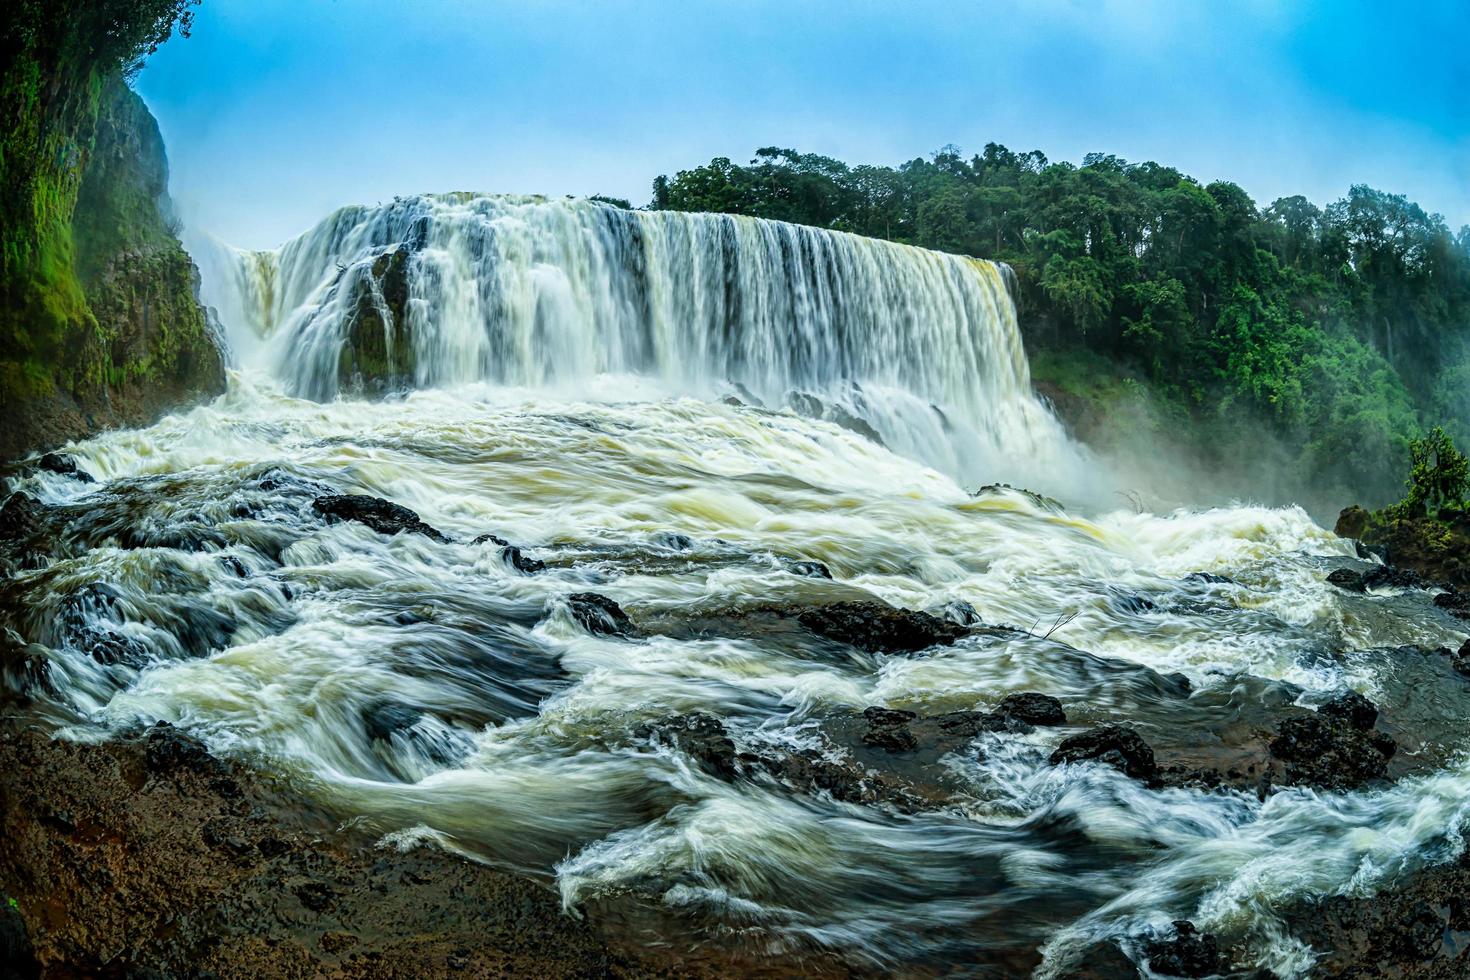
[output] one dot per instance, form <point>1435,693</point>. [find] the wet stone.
<point>65,465</point>
<point>598,614</point>
<point>888,729</point>
<point>1119,746</point>
<point>171,750</point>
<point>1455,603</point>
<point>1033,709</point>
<point>25,672</point>
<point>1352,708</point>
<point>1188,953</point>
<point>516,559</point>
<point>880,628</point>
<point>381,515</point>
<point>16,951</point>
<point>1346,578</point>
<point>1329,752</point>
<point>700,736</point>
<point>383,719</point>
<point>491,539</point>
<point>809,569</point>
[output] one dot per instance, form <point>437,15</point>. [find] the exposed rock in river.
<point>381,515</point>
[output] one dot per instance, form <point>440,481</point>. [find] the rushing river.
<point>683,413</point>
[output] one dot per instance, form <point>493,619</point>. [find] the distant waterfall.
<point>444,289</point>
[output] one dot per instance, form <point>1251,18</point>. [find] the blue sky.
<point>276,112</point>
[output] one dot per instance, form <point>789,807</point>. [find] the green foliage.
<point>1439,476</point>
<point>1332,330</point>
<point>56,60</point>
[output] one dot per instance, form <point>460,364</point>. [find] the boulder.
<point>599,614</point>
<point>516,559</point>
<point>64,465</point>
<point>383,719</point>
<point>809,569</point>
<point>25,671</point>
<point>381,515</point>
<point>1188,953</point>
<point>1457,604</point>
<point>700,736</point>
<point>1119,746</point>
<point>1352,708</point>
<point>888,729</point>
<point>1033,709</point>
<point>170,750</point>
<point>880,628</point>
<point>1352,522</point>
<point>1330,752</point>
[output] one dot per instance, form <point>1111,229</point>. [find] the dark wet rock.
<point>187,535</point>
<point>809,569</point>
<point>1455,603</point>
<point>170,750</point>
<point>673,541</point>
<point>381,515</point>
<point>889,729</point>
<point>234,566</point>
<point>65,465</point>
<point>384,719</point>
<point>1033,709</point>
<point>880,628</point>
<point>599,614</point>
<point>1352,708</point>
<point>1327,751</point>
<point>276,480</point>
<point>20,517</point>
<point>1352,522</point>
<point>1119,746</point>
<point>316,896</point>
<point>16,952</point>
<point>491,539</point>
<point>517,559</point>
<point>959,612</point>
<point>1377,577</point>
<point>1209,578</point>
<point>89,621</point>
<point>1460,659</point>
<point>25,671</point>
<point>700,736</point>
<point>1188,953</point>
<point>1132,604</point>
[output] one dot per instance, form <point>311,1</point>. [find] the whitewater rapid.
<point>519,737</point>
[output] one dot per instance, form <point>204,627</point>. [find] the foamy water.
<point>519,740</point>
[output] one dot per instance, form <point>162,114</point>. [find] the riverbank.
<point>148,857</point>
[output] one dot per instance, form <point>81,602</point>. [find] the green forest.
<point>1337,333</point>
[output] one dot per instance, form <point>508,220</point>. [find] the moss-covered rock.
<point>378,354</point>
<point>1436,548</point>
<point>100,324</point>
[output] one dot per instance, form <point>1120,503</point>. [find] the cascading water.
<point>918,347</point>
<point>554,375</point>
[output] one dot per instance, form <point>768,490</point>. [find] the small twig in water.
<point>1061,621</point>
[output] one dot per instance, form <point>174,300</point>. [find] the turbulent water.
<point>574,368</point>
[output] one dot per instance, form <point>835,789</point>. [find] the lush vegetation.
<point>1334,332</point>
<point>56,60</point>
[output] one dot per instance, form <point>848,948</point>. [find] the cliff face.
<point>100,325</point>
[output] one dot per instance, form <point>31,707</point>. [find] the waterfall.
<point>917,348</point>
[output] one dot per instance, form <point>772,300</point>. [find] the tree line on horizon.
<point>1344,330</point>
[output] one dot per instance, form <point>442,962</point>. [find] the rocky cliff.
<point>100,325</point>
